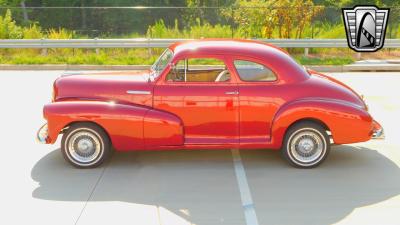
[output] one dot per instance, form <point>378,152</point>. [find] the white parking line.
<point>245,195</point>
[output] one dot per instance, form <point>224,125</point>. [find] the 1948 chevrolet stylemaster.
<point>251,95</point>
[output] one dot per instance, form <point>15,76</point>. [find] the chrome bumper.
<point>42,135</point>
<point>377,132</point>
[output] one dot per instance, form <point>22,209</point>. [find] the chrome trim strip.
<point>133,92</point>
<point>232,93</point>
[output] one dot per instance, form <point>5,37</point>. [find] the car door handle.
<point>134,92</point>
<point>232,93</point>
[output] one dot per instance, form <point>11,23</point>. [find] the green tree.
<point>260,18</point>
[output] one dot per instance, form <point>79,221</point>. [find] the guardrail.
<point>162,43</point>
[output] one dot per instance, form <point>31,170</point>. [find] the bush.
<point>198,30</point>
<point>8,27</point>
<point>32,32</point>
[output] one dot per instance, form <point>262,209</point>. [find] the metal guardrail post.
<point>44,50</point>
<point>305,52</point>
<point>148,47</point>
<point>97,49</point>
<point>306,49</point>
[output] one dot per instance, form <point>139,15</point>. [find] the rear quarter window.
<point>252,71</point>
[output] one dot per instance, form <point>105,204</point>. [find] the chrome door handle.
<point>134,92</point>
<point>232,93</point>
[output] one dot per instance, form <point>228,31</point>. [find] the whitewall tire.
<point>306,145</point>
<point>85,145</point>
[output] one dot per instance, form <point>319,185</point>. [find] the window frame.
<point>153,66</point>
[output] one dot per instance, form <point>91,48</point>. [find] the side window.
<point>251,71</point>
<point>177,73</point>
<point>199,70</point>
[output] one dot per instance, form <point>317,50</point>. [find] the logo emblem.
<point>365,27</point>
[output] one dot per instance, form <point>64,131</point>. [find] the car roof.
<point>236,46</point>
<point>276,58</point>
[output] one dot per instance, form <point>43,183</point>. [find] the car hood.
<point>105,86</point>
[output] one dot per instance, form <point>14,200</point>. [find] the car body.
<point>171,106</point>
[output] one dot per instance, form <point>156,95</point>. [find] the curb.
<point>325,68</point>
<point>73,67</point>
<point>358,68</point>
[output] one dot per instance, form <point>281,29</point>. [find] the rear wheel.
<point>85,145</point>
<point>306,145</point>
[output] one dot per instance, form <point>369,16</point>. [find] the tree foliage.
<point>252,18</point>
<point>260,18</point>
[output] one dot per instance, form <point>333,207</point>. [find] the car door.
<point>259,100</point>
<point>206,100</point>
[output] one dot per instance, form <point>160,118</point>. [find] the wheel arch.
<point>311,120</point>
<point>67,126</point>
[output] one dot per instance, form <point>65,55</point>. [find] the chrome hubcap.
<point>307,146</point>
<point>84,147</point>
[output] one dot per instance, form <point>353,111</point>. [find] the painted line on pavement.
<point>92,192</point>
<point>245,195</point>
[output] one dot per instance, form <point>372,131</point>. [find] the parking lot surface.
<point>357,184</point>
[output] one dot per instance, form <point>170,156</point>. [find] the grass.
<point>324,60</point>
<point>148,56</point>
<point>80,57</point>
<point>128,57</point>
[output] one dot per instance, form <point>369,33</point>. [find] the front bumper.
<point>42,135</point>
<point>377,131</point>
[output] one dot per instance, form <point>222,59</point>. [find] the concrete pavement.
<point>357,184</point>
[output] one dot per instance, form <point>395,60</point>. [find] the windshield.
<point>161,62</point>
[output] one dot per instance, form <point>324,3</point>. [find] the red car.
<point>251,95</point>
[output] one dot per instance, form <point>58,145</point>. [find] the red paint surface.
<point>199,114</point>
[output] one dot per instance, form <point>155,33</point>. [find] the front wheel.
<point>306,145</point>
<point>85,145</point>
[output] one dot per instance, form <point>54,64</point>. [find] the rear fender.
<point>346,122</point>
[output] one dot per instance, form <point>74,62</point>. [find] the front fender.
<point>347,122</point>
<point>127,125</point>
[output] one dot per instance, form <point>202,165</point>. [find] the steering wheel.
<point>221,75</point>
